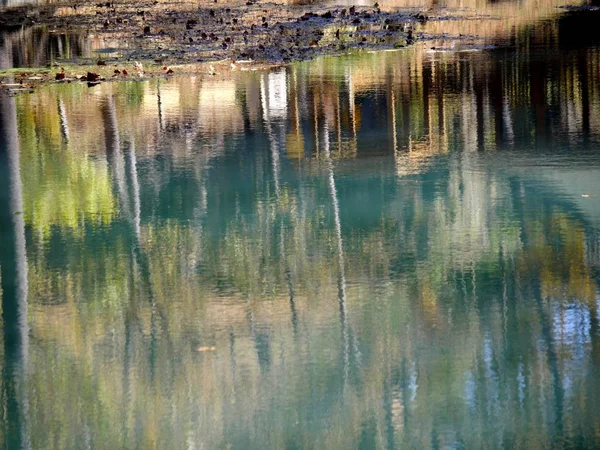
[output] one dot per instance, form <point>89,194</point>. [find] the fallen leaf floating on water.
<point>206,349</point>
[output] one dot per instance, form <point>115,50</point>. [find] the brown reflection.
<point>554,99</point>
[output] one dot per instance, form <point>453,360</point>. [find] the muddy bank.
<point>164,36</point>
<point>192,32</point>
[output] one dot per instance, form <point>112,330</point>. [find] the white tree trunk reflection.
<point>13,272</point>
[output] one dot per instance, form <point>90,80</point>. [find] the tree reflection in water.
<point>388,249</point>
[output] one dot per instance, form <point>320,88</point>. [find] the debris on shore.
<point>208,32</point>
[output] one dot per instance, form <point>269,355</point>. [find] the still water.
<point>389,250</point>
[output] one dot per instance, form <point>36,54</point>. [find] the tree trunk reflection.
<point>13,272</point>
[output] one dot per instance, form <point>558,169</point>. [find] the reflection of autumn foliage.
<point>63,185</point>
<point>559,254</point>
<point>455,289</point>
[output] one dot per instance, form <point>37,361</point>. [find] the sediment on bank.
<point>209,32</point>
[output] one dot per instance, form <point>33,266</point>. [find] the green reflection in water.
<point>391,250</point>
<point>63,186</point>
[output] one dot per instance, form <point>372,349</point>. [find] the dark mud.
<point>192,33</point>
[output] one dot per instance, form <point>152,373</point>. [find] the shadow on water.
<point>397,249</point>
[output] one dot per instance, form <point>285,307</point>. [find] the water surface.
<point>389,250</point>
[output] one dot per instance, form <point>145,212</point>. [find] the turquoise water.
<point>388,250</point>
